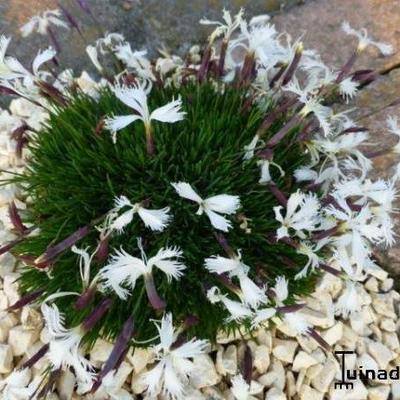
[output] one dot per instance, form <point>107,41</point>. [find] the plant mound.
<point>75,172</point>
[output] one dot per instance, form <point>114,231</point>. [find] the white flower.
<point>17,386</point>
<point>125,269</point>
<point>251,293</point>
<point>224,29</point>
<point>212,206</point>
<point>309,250</point>
<point>237,310</point>
<point>170,376</point>
<point>135,59</point>
<point>64,350</point>
<point>41,23</point>
<point>349,302</point>
<point>262,316</point>
<point>281,290</point>
<point>156,220</point>
<point>364,40</point>
<point>394,128</point>
<point>136,98</point>
<point>296,322</point>
<point>91,51</point>
<point>302,213</point>
<point>250,148</point>
<point>265,174</point>
<point>312,104</point>
<point>348,88</point>
<point>241,390</point>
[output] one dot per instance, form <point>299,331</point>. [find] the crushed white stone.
<point>285,366</point>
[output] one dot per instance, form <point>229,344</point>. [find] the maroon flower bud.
<point>95,316</point>
<point>27,299</point>
<point>52,252</point>
<point>85,298</point>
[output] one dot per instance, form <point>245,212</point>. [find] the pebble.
<point>6,359</point>
<point>139,358</point>
<point>261,359</point>
<point>65,385</point>
<point>308,393</point>
<point>284,350</point>
<point>275,394</point>
<point>204,372</point>
<point>303,361</point>
<point>323,380</point>
<point>334,334</point>
<point>21,339</point>
<point>100,351</point>
<point>379,393</point>
<point>381,353</point>
<point>227,362</point>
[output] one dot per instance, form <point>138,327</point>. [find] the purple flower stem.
<point>155,300</point>
<point>52,252</point>
<point>27,299</point>
<point>96,315</point>
<point>119,349</point>
<point>36,357</point>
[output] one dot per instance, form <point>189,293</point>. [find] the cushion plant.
<point>208,195</point>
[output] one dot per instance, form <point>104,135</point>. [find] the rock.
<point>308,393</point>
<point>3,300</point>
<point>10,288</point>
<point>358,324</point>
<point>31,318</point>
<point>349,338</point>
<point>20,339</point>
<point>275,394</point>
<point>323,380</point>
<point>334,334</point>
<point>284,350</point>
<point>264,337</point>
<point>303,361</point>
<point>372,285</point>
<point>307,343</point>
<point>275,377</point>
<point>6,359</point>
<point>391,340</point>
<point>317,318</point>
<point>223,338</point>
<point>330,283</point>
<point>383,305</point>
<point>121,375</point>
<point>388,325</point>
<point>45,335</point>
<point>290,384</point>
<point>378,392</point>
<point>381,353</point>
<point>261,359</point>
<point>395,389</point>
<point>7,321</point>
<point>213,393</point>
<point>387,285</point>
<point>65,385</point>
<point>314,371</point>
<point>100,351</point>
<point>204,373</point>
<point>359,392</point>
<point>139,358</point>
<point>137,383</point>
<point>227,362</point>
<point>367,362</point>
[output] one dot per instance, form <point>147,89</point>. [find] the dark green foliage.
<point>73,176</point>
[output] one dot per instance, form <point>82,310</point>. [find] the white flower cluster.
<point>337,229</point>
